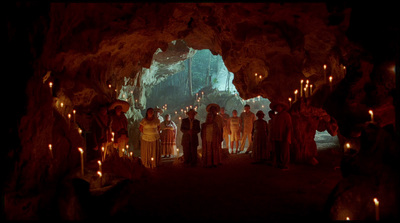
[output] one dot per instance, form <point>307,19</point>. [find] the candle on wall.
<point>51,88</point>
<point>301,88</point>
<point>372,115</point>
<point>376,209</point>
<point>82,167</point>
<point>51,150</point>
<point>310,89</point>
<point>330,82</point>
<point>325,73</point>
<point>295,95</point>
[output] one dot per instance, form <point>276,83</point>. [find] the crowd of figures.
<point>267,141</point>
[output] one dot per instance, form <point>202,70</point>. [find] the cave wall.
<point>89,46</point>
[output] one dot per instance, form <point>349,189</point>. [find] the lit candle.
<point>260,76</point>
<point>51,88</point>
<point>99,162</point>
<point>61,105</point>
<point>330,82</point>
<point>344,69</point>
<point>325,73</point>
<point>82,168</point>
<point>255,75</point>
<point>295,94</point>
<point>102,153</point>
<point>109,86</point>
<point>347,218</point>
<point>305,92</point>
<point>372,115</point>
<point>290,102</point>
<point>74,112</point>
<point>131,153</point>
<point>310,89</point>
<point>301,88</point>
<point>152,162</point>
<point>376,209</point>
<point>101,177</point>
<point>69,120</point>
<point>51,151</point>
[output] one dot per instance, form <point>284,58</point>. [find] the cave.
<point>333,64</point>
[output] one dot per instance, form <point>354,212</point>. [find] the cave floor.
<point>236,191</point>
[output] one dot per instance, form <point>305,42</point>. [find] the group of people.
<point>267,141</point>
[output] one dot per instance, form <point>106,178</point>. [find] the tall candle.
<point>325,73</point>
<point>310,89</point>
<point>131,153</point>
<point>101,177</point>
<point>152,162</point>
<point>305,92</point>
<point>102,153</point>
<point>82,168</point>
<point>344,69</point>
<point>330,82</point>
<point>290,102</point>
<point>51,150</point>
<point>99,162</point>
<point>376,209</point>
<point>301,88</point>
<point>295,95</point>
<point>372,115</point>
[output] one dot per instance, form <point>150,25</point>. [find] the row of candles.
<point>375,200</point>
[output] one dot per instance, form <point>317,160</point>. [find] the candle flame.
<point>255,74</point>
<point>347,218</point>
<point>152,159</point>
<point>324,66</point>
<point>99,162</point>
<point>376,201</point>
<point>131,153</point>
<point>99,173</point>
<point>80,150</point>
<point>307,81</point>
<point>370,112</point>
<point>102,148</point>
<point>74,111</point>
<point>50,146</point>
<point>290,99</point>
<point>301,81</point>
<point>69,115</point>
<point>50,84</point>
<point>296,91</point>
<point>330,78</point>
<point>348,145</point>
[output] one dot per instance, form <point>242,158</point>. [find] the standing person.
<point>260,136</point>
<point>270,143</point>
<point>214,109</point>
<point>247,119</point>
<point>190,127</point>
<point>234,130</point>
<point>168,136</point>
<point>281,134</point>
<point>150,140</point>
<point>101,128</point>
<point>119,125</point>
<point>210,136</point>
<point>225,127</point>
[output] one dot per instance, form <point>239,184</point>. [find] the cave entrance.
<point>195,81</point>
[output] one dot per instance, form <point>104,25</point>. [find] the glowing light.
<point>376,209</point>
<point>51,151</point>
<point>324,66</point>
<point>372,115</point>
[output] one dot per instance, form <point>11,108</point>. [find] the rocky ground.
<point>235,191</point>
